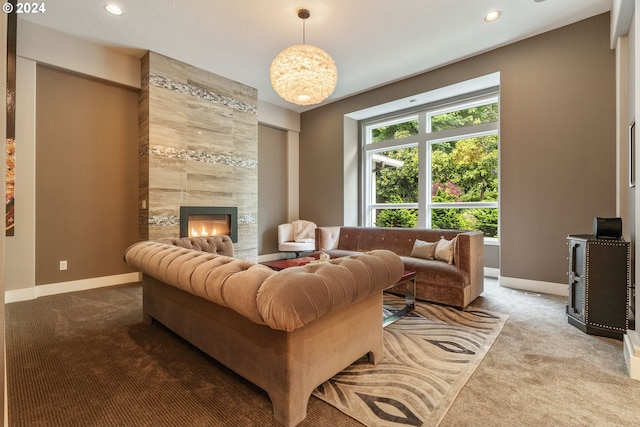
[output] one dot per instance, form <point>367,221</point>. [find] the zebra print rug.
<point>429,356</point>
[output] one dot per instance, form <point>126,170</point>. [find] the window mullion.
<point>464,132</point>
<point>424,178</point>
<point>395,144</point>
<point>463,205</point>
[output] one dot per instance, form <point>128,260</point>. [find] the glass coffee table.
<point>405,286</point>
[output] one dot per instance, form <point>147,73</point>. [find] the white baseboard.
<point>534,286</point>
<point>491,272</point>
<point>19,295</point>
<point>71,286</point>
<point>632,353</point>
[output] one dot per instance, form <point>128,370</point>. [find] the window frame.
<point>424,140</point>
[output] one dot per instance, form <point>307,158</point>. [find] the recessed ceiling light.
<point>492,16</point>
<point>113,9</point>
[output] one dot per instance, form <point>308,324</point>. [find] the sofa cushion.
<point>336,253</point>
<point>429,271</point>
<point>438,273</point>
<point>422,249</point>
<point>295,296</point>
<point>444,250</point>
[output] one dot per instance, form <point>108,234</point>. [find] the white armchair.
<point>298,236</point>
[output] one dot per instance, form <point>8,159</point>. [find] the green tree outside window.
<point>463,170</point>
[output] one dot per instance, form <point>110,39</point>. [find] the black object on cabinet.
<point>599,272</point>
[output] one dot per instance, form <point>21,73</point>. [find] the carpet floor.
<point>86,359</point>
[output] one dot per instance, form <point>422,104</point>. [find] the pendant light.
<point>303,74</point>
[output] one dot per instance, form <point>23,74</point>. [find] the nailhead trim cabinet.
<point>599,273</point>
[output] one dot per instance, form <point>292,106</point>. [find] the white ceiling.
<point>373,42</point>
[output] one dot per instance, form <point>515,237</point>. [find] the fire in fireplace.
<point>209,221</point>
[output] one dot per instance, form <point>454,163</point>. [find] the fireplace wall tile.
<point>198,146</point>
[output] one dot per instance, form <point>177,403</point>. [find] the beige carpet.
<point>541,371</point>
<point>429,356</point>
<point>86,359</point>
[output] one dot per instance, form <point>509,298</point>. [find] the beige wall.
<point>39,45</point>
<point>61,50</point>
<point>557,135</point>
<point>87,171</point>
<point>632,338</point>
<point>278,189</point>
<point>272,186</point>
<point>627,107</point>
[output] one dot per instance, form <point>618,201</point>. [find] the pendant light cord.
<point>304,14</point>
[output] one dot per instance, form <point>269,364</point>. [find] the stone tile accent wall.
<point>198,146</point>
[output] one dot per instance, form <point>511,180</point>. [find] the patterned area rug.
<point>429,356</point>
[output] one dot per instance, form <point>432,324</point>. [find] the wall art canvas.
<point>11,125</point>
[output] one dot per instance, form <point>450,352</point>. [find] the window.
<point>436,167</point>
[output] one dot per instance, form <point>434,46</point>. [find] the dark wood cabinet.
<point>599,272</point>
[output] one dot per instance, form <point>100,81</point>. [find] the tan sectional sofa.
<point>456,284</point>
<point>286,331</point>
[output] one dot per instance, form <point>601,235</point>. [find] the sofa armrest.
<point>469,256</point>
<point>327,238</point>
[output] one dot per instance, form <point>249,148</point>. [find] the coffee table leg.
<point>409,302</point>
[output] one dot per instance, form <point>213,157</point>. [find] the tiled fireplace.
<point>198,147</point>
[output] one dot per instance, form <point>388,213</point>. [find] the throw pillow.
<point>422,249</point>
<point>444,250</point>
<point>303,230</point>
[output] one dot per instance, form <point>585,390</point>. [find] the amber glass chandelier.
<point>303,74</point>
